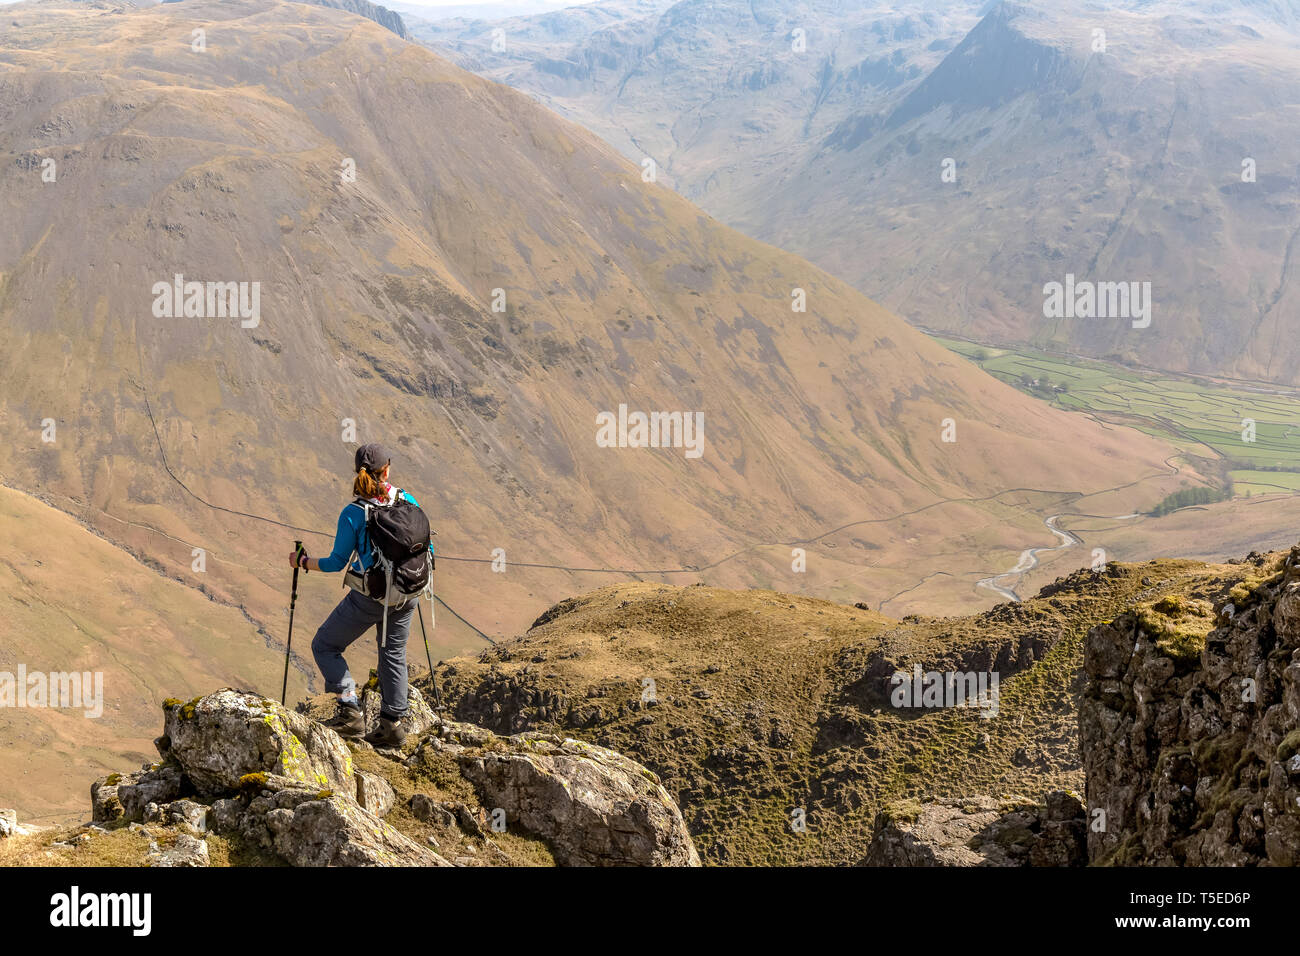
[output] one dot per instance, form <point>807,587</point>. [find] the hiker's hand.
<point>294,561</point>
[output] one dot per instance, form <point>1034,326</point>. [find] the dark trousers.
<point>356,614</point>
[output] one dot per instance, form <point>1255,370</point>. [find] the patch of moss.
<point>1250,589</point>
<point>252,781</point>
<point>233,850</point>
<point>171,702</point>
<point>1290,745</point>
<point>1170,753</point>
<point>1129,853</point>
<point>1178,625</point>
<point>904,811</point>
<point>1218,755</point>
<point>113,779</point>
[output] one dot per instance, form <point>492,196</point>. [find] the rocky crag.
<point>275,786</point>
<point>1189,727</point>
<point>1189,734</point>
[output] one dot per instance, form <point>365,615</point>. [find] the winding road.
<point>1029,557</point>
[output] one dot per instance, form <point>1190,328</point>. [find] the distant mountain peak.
<point>993,65</point>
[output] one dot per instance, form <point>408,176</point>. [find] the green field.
<point>1204,418</point>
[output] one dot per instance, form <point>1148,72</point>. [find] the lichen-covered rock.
<point>592,805</point>
<point>105,807</point>
<point>374,794</point>
<point>224,815</point>
<point>980,831</point>
<point>8,823</point>
<point>419,715</point>
<point>220,738</point>
<point>1189,743</point>
<point>336,832</point>
<point>284,786</point>
<point>187,851</point>
<point>160,784</point>
<point>187,813</point>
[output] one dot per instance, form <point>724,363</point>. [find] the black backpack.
<point>399,536</point>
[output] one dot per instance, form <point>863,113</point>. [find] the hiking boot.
<point>347,721</point>
<point>390,734</point>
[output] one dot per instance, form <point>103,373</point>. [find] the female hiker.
<point>385,578</point>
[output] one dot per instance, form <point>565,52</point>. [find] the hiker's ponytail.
<point>366,485</point>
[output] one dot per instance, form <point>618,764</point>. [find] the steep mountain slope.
<point>226,164</point>
<point>72,603</point>
<point>1118,142</point>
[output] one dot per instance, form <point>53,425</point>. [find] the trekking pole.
<point>293,600</point>
<point>437,695</point>
<point>433,678</point>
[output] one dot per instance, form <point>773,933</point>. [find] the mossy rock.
<point>1218,755</point>
<point>1290,745</point>
<point>1178,626</point>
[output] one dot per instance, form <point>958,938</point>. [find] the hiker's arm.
<point>345,542</point>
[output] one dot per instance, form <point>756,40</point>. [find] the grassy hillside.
<point>768,703</point>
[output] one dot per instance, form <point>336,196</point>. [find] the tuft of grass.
<point>1179,626</point>
<point>117,847</point>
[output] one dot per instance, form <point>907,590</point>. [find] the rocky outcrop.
<point>241,766</point>
<point>222,738</point>
<point>593,806</point>
<point>322,829</point>
<point>386,18</point>
<point>278,780</point>
<point>1189,728</point>
<point>981,831</point>
<point>375,794</point>
<point>187,851</point>
<point>419,715</point>
<point>596,807</point>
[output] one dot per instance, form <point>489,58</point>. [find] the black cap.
<point>372,458</point>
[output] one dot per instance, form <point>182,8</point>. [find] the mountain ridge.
<point>1116,143</point>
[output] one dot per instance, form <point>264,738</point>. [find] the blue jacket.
<point>351,536</point>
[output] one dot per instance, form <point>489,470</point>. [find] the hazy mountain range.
<point>1113,141</point>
